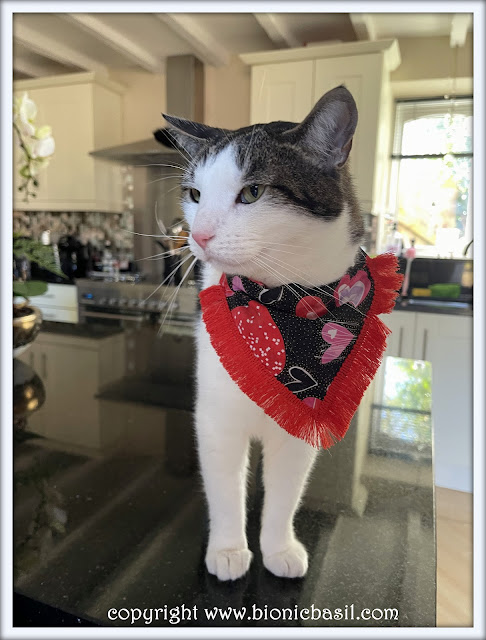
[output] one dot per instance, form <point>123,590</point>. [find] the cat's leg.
<point>223,454</point>
<point>287,462</point>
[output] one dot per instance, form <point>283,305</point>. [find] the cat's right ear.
<point>186,135</point>
<point>328,130</point>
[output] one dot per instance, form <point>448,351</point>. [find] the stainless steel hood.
<point>185,98</point>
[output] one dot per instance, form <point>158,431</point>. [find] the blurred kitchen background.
<point>112,381</point>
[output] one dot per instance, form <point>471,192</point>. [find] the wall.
<point>425,58</point>
<point>227,95</point>
<point>143,102</point>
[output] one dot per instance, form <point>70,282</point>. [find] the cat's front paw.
<point>228,564</point>
<point>289,563</point>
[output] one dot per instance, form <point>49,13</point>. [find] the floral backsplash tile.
<point>87,226</point>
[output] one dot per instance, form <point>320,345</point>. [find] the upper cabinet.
<point>285,85</point>
<point>84,111</point>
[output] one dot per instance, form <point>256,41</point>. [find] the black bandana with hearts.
<point>305,355</point>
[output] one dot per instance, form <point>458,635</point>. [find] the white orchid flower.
<point>44,147</point>
<point>26,112</point>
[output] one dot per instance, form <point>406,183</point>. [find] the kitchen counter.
<point>127,529</point>
<point>425,305</point>
<point>94,331</point>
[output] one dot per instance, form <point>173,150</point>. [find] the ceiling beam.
<point>45,46</point>
<point>460,23</point>
<point>204,45</point>
<point>276,29</point>
<point>29,68</point>
<point>115,40</point>
<point>364,26</point>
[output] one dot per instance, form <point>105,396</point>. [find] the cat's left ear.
<point>329,128</point>
<point>186,135</point>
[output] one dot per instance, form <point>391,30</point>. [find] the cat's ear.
<point>329,128</point>
<point>186,135</point>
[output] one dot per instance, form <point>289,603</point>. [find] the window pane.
<point>432,196</point>
<point>441,133</point>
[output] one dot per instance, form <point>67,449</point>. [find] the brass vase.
<point>25,327</point>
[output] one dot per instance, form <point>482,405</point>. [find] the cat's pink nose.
<point>202,238</point>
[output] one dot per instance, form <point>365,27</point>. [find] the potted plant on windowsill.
<point>36,147</point>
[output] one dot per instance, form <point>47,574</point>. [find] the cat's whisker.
<point>165,178</point>
<point>173,297</point>
<point>288,286</point>
<point>152,235</point>
<point>330,291</point>
<point>158,164</point>
<point>160,224</point>
<point>183,261</point>
<point>170,252</point>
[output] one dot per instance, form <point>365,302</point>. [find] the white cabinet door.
<point>282,91</point>
<point>363,76</point>
<point>447,342</point>
<point>400,343</point>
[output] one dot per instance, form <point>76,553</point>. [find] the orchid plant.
<point>36,144</point>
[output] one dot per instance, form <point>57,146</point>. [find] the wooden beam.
<point>276,29</point>
<point>204,45</point>
<point>460,23</point>
<point>115,40</point>
<point>45,46</point>
<point>363,25</point>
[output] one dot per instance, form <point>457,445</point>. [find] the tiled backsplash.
<point>96,228</point>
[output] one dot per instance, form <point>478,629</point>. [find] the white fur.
<point>226,419</point>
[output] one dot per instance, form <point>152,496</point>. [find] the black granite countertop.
<point>94,331</point>
<point>125,529</point>
<point>425,305</point>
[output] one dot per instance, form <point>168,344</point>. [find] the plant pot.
<point>27,322</point>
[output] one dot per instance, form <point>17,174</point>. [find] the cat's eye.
<point>195,195</point>
<point>251,194</point>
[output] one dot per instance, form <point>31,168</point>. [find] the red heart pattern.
<point>310,307</point>
<point>261,334</point>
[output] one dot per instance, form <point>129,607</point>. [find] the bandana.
<point>305,355</point>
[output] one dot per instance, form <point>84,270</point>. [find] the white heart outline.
<point>294,379</point>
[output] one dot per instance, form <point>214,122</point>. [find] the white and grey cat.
<point>273,202</point>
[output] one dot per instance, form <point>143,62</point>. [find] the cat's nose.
<point>202,238</point>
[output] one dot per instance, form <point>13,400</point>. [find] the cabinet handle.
<point>424,344</point>
<point>44,366</point>
<point>400,342</point>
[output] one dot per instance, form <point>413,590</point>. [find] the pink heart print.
<point>310,307</point>
<point>338,337</point>
<point>352,290</point>
<point>237,285</point>
<point>261,334</point>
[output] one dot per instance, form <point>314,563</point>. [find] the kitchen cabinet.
<point>73,371</point>
<point>446,341</point>
<point>84,111</point>
<point>286,84</point>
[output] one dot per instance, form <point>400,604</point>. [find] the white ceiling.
<point>47,44</point>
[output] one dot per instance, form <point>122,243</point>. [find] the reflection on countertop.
<point>127,528</point>
<point>94,331</point>
<point>425,305</point>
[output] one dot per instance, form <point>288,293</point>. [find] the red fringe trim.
<point>330,421</point>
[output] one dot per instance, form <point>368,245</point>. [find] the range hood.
<point>185,98</point>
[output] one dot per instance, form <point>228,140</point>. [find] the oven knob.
<point>141,303</point>
<point>161,305</point>
<point>122,302</point>
<point>154,304</point>
<point>132,302</point>
<point>102,301</point>
<point>112,301</point>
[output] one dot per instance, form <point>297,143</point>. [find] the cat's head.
<point>273,202</point>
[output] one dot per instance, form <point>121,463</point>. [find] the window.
<point>431,175</point>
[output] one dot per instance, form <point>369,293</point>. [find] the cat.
<point>275,203</point>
